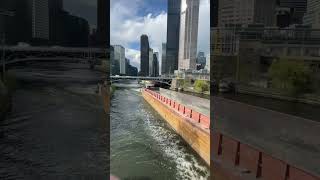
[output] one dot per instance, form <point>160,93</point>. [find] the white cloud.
<point>127,27</point>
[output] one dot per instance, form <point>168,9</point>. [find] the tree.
<point>201,86</point>
<point>293,76</point>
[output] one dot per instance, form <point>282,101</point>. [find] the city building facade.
<point>144,55</point>
<point>297,9</point>
<point>115,66</point>
<point>164,59</point>
<point>56,27</point>
<point>150,62</point>
<point>44,22</point>
<point>103,22</point>
<point>201,60</point>
<point>241,12</point>
<point>40,19</point>
<point>119,57</point>
<point>188,39</point>
<point>173,31</point>
<point>155,67</point>
<point>215,13</point>
<point>130,70</point>
<point>312,16</point>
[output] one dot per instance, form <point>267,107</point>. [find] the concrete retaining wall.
<point>263,143</point>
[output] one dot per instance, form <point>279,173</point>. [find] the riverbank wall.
<point>191,125</point>
<point>264,92</point>
<point>249,142</point>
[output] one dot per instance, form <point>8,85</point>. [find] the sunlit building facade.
<point>150,62</point>
<point>119,56</point>
<point>188,39</point>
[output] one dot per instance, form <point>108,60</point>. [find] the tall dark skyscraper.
<point>55,21</point>
<point>155,66</point>
<point>40,19</point>
<point>164,56</point>
<point>144,50</point>
<point>103,22</point>
<point>297,9</point>
<point>215,13</point>
<point>7,22</point>
<point>173,29</point>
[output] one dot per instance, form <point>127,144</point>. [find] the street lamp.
<point>10,14</point>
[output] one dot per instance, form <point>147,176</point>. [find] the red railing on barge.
<point>195,116</point>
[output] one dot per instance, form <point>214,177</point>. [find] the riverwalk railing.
<point>195,116</point>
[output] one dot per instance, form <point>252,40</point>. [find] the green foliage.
<point>180,82</point>
<point>113,89</point>
<point>201,85</point>
<point>291,76</point>
<point>187,83</point>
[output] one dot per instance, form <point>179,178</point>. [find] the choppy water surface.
<point>144,146</point>
<point>55,130</point>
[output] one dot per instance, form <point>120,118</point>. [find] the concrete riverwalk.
<point>199,104</point>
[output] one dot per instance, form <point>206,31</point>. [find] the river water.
<point>57,128</point>
<point>143,146</point>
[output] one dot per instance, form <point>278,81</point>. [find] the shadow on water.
<point>56,129</point>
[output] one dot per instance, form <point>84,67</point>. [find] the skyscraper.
<point>56,27</point>
<point>163,61</point>
<point>215,13</point>
<point>115,66</point>
<point>40,19</point>
<point>312,16</point>
<point>6,22</point>
<point>155,64</point>
<point>150,62</point>
<point>297,9</point>
<point>173,31</point>
<point>119,57</point>
<point>103,23</point>
<point>188,34</point>
<point>247,12</point>
<point>201,60</point>
<point>127,65</point>
<point>144,55</point>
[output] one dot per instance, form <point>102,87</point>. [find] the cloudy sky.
<point>129,19</point>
